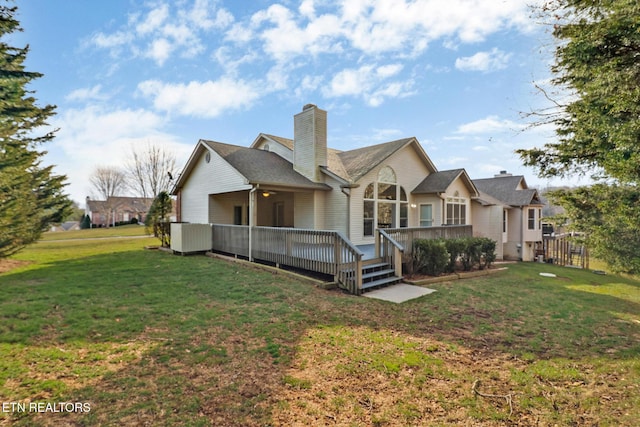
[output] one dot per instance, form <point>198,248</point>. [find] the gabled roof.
<point>266,167</point>
<point>261,167</point>
<point>256,166</point>
<point>357,163</point>
<point>439,182</point>
<point>280,140</point>
<point>505,189</point>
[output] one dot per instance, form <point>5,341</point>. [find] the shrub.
<point>86,222</point>
<point>471,253</point>
<point>488,252</point>
<point>455,247</point>
<point>430,256</point>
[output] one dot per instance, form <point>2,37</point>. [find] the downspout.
<point>348,194</point>
<point>522,219</point>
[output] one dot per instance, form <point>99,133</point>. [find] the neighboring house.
<point>105,213</point>
<point>66,226</point>
<point>510,213</point>
<point>304,184</point>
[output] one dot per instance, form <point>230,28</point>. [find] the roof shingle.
<point>262,167</point>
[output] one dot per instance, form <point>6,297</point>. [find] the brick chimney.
<point>310,142</point>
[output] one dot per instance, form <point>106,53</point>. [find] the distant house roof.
<point>439,182</point>
<point>262,167</point>
<point>505,189</point>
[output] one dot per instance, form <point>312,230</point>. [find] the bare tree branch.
<point>148,172</point>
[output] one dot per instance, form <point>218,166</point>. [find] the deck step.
<point>375,266</point>
<point>381,282</point>
<point>387,272</point>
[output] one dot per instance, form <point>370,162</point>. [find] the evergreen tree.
<point>598,129</point>
<point>158,218</point>
<point>86,222</point>
<point>31,195</point>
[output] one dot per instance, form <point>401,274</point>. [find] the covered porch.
<point>267,206</point>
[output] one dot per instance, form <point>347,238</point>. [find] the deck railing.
<point>406,236</point>
<point>389,250</point>
<point>321,251</point>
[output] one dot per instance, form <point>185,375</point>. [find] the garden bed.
<point>421,279</point>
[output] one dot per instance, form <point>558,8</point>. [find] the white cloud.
<point>154,20</point>
<point>159,50</point>
<point>200,99</point>
<point>97,135</point>
<point>490,124</point>
<point>85,94</point>
<point>165,29</point>
<point>484,61</point>
<point>308,84</point>
<point>370,82</point>
<point>351,82</point>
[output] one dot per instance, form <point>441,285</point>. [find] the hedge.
<point>436,256</point>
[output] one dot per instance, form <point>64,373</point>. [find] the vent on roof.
<point>502,173</point>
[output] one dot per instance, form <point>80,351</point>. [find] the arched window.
<point>385,203</point>
<point>387,174</point>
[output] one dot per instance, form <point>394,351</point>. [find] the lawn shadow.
<point>217,340</point>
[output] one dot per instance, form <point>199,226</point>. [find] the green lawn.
<point>145,337</point>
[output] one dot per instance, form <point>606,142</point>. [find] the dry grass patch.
<point>364,377</point>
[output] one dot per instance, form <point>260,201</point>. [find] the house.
<point>509,212</point>
<point>66,226</point>
<point>105,213</point>
<point>300,203</point>
<point>302,183</point>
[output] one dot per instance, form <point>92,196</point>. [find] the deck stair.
<point>376,273</point>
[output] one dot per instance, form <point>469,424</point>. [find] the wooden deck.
<point>323,251</point>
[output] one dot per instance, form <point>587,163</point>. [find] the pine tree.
<point>158,218</point>
<point>86,222</point>
<point>31,195</point>
<point>598,127</point>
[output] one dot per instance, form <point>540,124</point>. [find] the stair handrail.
<point>395,258</point>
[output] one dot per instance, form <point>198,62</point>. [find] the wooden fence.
<point>564,249</point>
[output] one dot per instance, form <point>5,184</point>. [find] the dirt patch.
<point>361,376</point>
<point>7,265</point>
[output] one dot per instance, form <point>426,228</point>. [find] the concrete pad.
<point>399,293</point>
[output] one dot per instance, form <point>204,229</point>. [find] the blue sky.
<point>456,74</point>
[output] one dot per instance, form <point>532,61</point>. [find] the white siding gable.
<point>275,147</point>
<point>216,176</point>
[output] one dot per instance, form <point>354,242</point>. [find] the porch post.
<point>251,219</point>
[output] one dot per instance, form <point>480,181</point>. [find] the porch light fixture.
<point>413,206</point>
<point>268,193</point>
